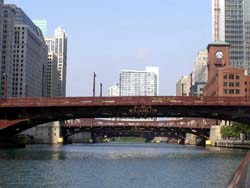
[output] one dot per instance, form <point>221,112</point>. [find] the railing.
<point>241,178</point>
<point>182,123</point>
<point>233,143</point>
<point>114,101</point>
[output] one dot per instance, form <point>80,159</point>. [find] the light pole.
<point>100,89</point>
<point>94,76</point>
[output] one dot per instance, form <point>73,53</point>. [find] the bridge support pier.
<point>12,142</point>
<point>181,141</point>
<point>201,142</point>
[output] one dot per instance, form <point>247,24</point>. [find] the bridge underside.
<point>145,132</point>
<point>239,114</point>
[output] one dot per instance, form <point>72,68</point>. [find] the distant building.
<point>140,83</point>
<point>42,24</point>
<point>114,90</point>
<point>231,23</point>
<point>200,67</point>
<point>199,75</point>
<point>52,76</point>
<point>183,86</point>
<point>58,45</point>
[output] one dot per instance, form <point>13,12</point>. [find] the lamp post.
<point>94,76</point>
<point>100,89</point>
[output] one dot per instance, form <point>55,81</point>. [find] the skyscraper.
<point>183,86</point>
<point>140,83</point>
<point>8,14</point>
<point>42,24</point>
<point>199,75</point>
<point>231,23</point>
<point>29,59</point>
<point>52,76</point>
<point>58,45</point>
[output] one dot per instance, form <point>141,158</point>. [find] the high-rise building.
<point>200,67</point>
<point>29,58</point>
<point>42,24</point>
<point>183,86</point>
<point>140,83</point>
<point>199,75</point>
<point>8,14</point>
<point>58,45</point>
<point>1,35</point>
<point>52,76</point>
<point>231,23</point>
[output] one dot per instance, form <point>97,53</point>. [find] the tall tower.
<point>7,26</point>
<point>58,45</point>
<point>231,20</point>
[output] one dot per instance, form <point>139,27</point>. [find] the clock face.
<point>219,54</point>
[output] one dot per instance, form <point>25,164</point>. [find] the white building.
<point>231,23</point>
<point>183,86</point>
<point>200,67</point>
<point>114,90</point>
<point>140,83</point>
<point>58,45</point>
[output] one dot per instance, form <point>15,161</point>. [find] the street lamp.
<point>94,76</point>
<point>100,89</point>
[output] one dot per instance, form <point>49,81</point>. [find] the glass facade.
<point>42,24</point>
<point>231,23</point>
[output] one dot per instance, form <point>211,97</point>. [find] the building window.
<point>231,84</point>
<point>231,91</point>
<point>237,77</point>
<point>237,84</point>
<point>231,76</point>
<point>225,84</point>
<point>225,91</point>
<point>225,77</point>
<point>237,91</point>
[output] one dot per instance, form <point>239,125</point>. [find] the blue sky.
<point>107,36</point>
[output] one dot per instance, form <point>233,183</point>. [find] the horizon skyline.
<point>129,40</point>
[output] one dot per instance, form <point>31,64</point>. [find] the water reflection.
<point>118,165</point>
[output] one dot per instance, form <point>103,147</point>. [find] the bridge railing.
<point>241,178</point>
<point>113,101</point>
<point>182,123</point>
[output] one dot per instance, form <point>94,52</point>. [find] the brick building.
<point>224,80</point>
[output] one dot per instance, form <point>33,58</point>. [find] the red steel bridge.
<point>176,128</point>
<point>35,111</point>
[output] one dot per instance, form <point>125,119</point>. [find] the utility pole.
<point>94,76</point>
<point>100,89</point>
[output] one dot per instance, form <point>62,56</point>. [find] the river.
<point>118,165</point>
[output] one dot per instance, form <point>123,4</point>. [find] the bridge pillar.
<point>13,142</point>
<point>93,137</point>
<point>181,141</point>
<point>200,141</point>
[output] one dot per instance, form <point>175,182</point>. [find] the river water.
<point>118,166</point>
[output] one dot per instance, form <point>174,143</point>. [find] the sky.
<point>107,36</point>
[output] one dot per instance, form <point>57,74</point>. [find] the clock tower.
<point>218,57</point>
